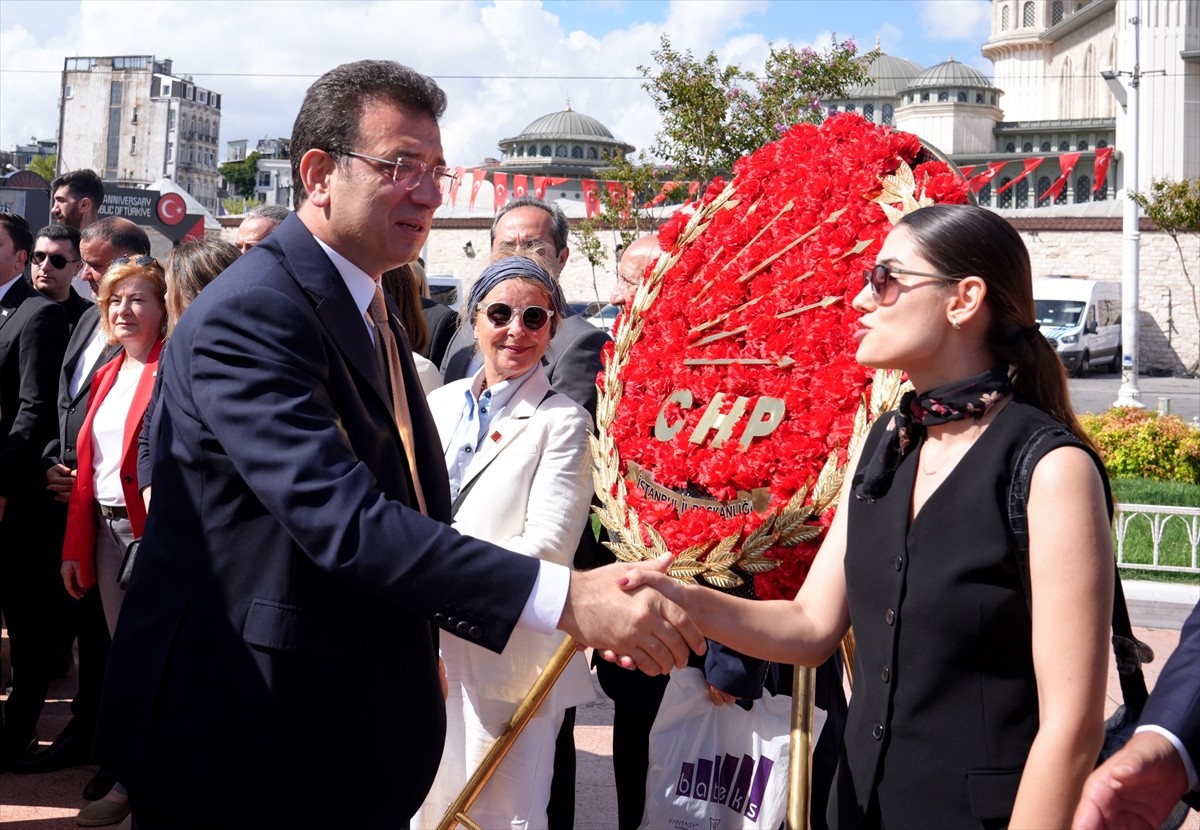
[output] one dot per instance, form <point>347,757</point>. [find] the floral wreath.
<point>731,401</point>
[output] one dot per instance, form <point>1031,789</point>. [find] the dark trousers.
<point>560,811</point>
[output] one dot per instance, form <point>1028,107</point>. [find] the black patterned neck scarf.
<point>968,398</point>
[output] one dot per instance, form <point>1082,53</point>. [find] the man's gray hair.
<point>559,229</point>
<point>272,213</point>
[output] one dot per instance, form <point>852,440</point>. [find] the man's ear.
<point>563,255</point>
<point>316,169</point>
<point>85,204</point>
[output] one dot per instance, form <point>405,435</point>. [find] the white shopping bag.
<point>718,766</point>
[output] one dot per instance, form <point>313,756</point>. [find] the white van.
<point>445,289</point>
<point>1082,320</point>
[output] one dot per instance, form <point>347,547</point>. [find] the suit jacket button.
<point>885,674</point>
<point>890,616</point>
<point>70,447</point>
<point>475,633</point>
<point>70,410</point>
<point>463,627</point>
<point>899,563</point>
<point>877,731</point>
<point>439,618</point>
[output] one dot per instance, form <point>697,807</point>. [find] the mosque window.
<point>1064,146</point>
<point>533,150</point>
<point>1083,145</point>
<point>869,112</point>
<point>887,114</point>
<point>833,109</point>
<point>1004,200</point>
<point>924,97</point>
<point>1083,189</point>
<point>546,151</point>
<point>962,97</point>
<point>1010,147</point>
<point>576,152</point>
<point>592,154</point>
<point>520,152</point>
<point>993,99</point>
<point>1061,198</point>
<point>560,151</point>
<point>1021,200</point>
<point>1056,12</point>
<point>1027,147</point>
<point>1101,195</point>
<point>978,97</point>
<point>943,96</point>
<point>1101,143</point>
<point>1004,19</point>
<point>850,108</point>
<point>1045,147</point>
<point>985,195</point>
<point>1028,15</point>
<point>1043,184</point>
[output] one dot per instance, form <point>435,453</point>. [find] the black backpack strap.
<point>1129,652</point>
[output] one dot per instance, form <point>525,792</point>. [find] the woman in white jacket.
<point>520,476</point>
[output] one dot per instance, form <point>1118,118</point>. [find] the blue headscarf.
<point>514,267</point>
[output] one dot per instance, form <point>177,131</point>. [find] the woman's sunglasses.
<point>57,260</point>
<point>533,317</point>
<point>877,277</point>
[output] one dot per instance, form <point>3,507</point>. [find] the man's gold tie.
<point>388,356</point>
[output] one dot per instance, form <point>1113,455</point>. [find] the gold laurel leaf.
<point>723,579</point>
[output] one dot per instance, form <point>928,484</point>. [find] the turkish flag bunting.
<point>520,186</point>
<point>663,193</point>
<point>499,190</point>
<point>476,181</point>
<point>458,177</point>
<point>591,197</point>
<point>980,180</point>
<point>539,186</point>
<point>1030,166</point>
<point>1066,163</point>
<point>966,170</point>
<point>1103,157</point>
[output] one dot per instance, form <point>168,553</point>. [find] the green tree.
<point>1175,208</point>
<point>242,176</point>
<point>44,166</point>
<point>712,115</point>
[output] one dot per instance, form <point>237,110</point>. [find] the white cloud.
<point>956,19</point>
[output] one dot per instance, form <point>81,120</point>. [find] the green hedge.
<point>1136,443</point>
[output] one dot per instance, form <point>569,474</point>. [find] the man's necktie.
<point>388,356</point>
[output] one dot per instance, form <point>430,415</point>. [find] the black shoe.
<point>70,749</point>
<point>11,750</point>
<point>99,785</point>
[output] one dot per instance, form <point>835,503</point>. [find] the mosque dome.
<point>566,137</point>
<point>888,76</point>
<point>951,73</point>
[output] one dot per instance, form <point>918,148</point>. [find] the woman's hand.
<point>70,575</point>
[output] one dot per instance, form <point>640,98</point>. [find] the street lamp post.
<point>1129,395</point>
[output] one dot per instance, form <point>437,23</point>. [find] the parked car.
<point>1082,320</point>
<point>444,289</point>
<point>605,317</point>
<point>586,309</point>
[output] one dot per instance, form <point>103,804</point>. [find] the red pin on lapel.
<point>495,436</point>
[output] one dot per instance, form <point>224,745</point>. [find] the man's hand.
<point>70,575</point>
<point>59,481</point>
<point>641,623</point>
<point>1135,788</point>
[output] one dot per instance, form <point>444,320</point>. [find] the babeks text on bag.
<point>739,786</point>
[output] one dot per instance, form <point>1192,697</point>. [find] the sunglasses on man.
<point>57,260</point>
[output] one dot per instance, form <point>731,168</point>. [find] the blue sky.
<point>502,63</point>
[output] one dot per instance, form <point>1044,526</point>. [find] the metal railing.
<point>1159,519</point>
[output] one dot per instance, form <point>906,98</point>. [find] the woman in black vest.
<point>974,705</point>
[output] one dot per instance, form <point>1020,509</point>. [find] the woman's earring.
<point>954,324</point>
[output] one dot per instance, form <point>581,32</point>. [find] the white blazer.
<point>533,499</point>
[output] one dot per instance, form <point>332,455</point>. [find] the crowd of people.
<point>367,529</point>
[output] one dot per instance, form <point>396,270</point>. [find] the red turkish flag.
<point>499,190</point>
<point>539,186</point>
<point>1066,163</point>
<point>1103,157</point>
<point>458,178</point>
<point>663,193</point>
<point>476,180</point>
<point>1030,166</point>
<point>967,169</point>
<point>520,186</point>
<point>591,197</point>
<point>979,181</point>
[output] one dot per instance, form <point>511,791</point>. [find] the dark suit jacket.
<point>33,336</point>
<point>442,322</point>
<point>572,361</point>
<point>274,650</point>
<point>1175,702</point>
<point>73,408</point>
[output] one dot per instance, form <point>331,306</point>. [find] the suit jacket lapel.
<point>503,430</point>
<point>13,298</point>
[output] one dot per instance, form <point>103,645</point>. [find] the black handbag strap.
<point>1128,651</point>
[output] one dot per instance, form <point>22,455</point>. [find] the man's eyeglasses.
<point>533,317</point>
<point>408,173</point>
<point>142,261</point>
<point>877,277</point>
<point>57,260</point>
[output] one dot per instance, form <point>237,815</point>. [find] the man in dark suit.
<point>275,665</point>
<point>56,261</point>
<point>33,335</point>
<point>1139,785</point>
<point>573,359</point>
<point>88,349</point>
<point>442,322</point>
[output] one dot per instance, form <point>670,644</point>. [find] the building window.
<point>1043,184</point>
<point>264,179</point>
<point>170,152</point>
<point>1004,200</point>
<point>1083,189</point>
<point>978,97</point>
<point>1045,147</point>
<point>833,109</point>
<point>1056,12</point>
<point>850,108</point>
<point>560,151</point>
<point>1101,195</point>
<point>924,97</point>
<point>962,97</point>
<point>1061,199</point>
<point>546,151</point>
<point>170,120</point>
<point>869,112</point>
<point>1083,145</point>
<point>1010,147</point>
<point>1004,19</point>
<point>985,194</point>
<point>1022,197</point>
<point>1028,15</point>
<point>1064,146</point>
<point>943,97</point>
<point>576,152</point>
<point>1101,143</point>
<point>132,145</point>
<point>593,154</point>
<point>166,89</point>
<point>992,99</point>
<point>1027,147</point>
<point>887,114</point>
<point>68,91</point>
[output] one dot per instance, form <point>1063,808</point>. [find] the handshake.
<point>634,614</point>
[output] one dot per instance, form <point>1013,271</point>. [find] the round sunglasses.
<point>533,317</point>
<point>877,277</point>
<point>57,260</point>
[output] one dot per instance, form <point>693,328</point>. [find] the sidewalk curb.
<point>1159,604</point>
